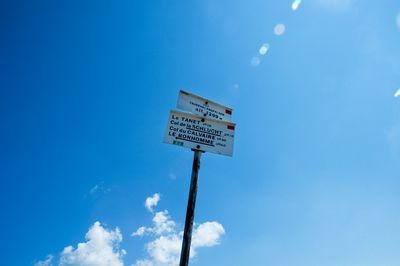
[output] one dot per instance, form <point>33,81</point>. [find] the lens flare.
<point>264,49</point>
<point>397,94</point>
<point>296,4</point>
<point>398,20</point>
<point>255,61</point>
<point>279,29</point>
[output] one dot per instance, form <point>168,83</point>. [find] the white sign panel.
<point>203,107</point>
<point>196,132</point>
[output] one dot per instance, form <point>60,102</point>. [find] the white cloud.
<point>99,190</point>
<point>279,29</point>
<point>162,224</point>
<point>140,231</point>
<point>165,248</point>
<point>102,246</point>
<point>100,249</point>
<point>143,263</point>
<point>151,202</point>
<point>335,5</point>
<point>47,262</point>
<point>207,234</point>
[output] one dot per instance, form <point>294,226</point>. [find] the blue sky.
<point>85,92</point>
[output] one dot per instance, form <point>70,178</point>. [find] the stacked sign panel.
<point>206,128</point>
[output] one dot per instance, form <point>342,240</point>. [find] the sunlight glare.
<point>264,49</point>
<point>279,29</point>
<point>296,4</point>
<point>398,20</point>
<point>255,61</point>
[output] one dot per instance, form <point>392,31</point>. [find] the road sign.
<point>203,107</point>
<point>199,133</point>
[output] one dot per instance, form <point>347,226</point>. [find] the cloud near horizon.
<point>102,245</point>
<point>165,248</point>
<point>102,248</point>
<point>47,262</point>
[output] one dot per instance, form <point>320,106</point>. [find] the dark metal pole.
<point>187,235</point>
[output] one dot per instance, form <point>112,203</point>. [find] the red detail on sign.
<point>228,111</point>
<point>232,127</point>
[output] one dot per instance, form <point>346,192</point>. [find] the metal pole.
<point>187,235</point>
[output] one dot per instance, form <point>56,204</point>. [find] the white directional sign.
<point>203,107</point>
<point>197,132</point>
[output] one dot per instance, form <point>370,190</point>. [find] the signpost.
<point>203,107</point>
<point>208,128</point>
<point>199,133</point>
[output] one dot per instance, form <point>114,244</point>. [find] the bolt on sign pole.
<point>187,235</point>
<point>205,126</point>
